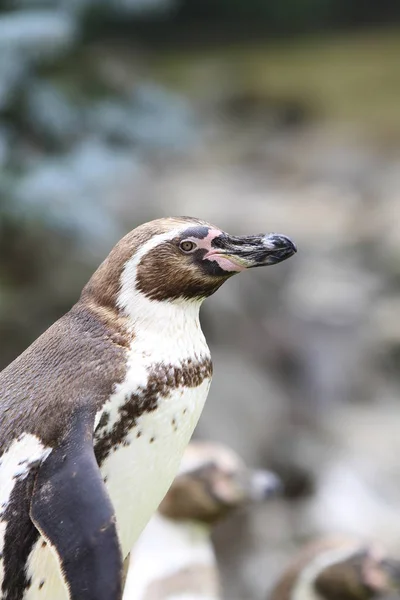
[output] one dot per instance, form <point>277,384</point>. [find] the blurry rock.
<point>384,324</point>
<point>367,437</point>
<point>336,156</point>
<point>340,294</point>
<point>347,493</point>
<point>335,208</point>
<point>384,228</point>
<point>242,399</point>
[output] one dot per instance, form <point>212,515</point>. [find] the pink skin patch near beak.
<point>225,262</point>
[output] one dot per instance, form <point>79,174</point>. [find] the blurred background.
<point>258,116</point>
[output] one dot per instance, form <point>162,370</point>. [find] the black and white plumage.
<point>96,413</point>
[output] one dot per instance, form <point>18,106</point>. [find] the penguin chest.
<point>141,436</point>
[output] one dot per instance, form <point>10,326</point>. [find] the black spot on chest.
<point>162,380</point>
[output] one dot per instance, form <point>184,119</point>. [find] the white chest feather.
<point>164,555</point>
<point>168,376</point>
<point>139,473</point>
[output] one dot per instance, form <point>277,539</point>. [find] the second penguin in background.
<point>174,556</point>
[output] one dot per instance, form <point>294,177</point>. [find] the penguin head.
<point>212,482</point>
<point>364,573</point>
<point>340,568</point>
<point>180,259</point>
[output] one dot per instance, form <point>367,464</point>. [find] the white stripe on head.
<point>143,310</point>
<point>129,274</point>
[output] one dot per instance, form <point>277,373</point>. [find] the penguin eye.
<point>187,246</point>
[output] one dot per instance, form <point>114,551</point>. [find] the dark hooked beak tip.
<point>279,248</point>
<point>252,251</point>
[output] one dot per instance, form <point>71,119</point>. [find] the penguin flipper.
<point>71,508</point>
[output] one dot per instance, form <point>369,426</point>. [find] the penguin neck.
<point>167,551</point>
<point>162,317</point>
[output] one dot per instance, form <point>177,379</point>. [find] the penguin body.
<point>174,557</point>
<point>96,413</point>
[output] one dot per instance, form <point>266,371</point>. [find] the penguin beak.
<point>263,485</point>
<point>252,251</point>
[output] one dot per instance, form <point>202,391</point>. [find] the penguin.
<point>174,556</point>
<point>96,413</point>
<point>340,568</point>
